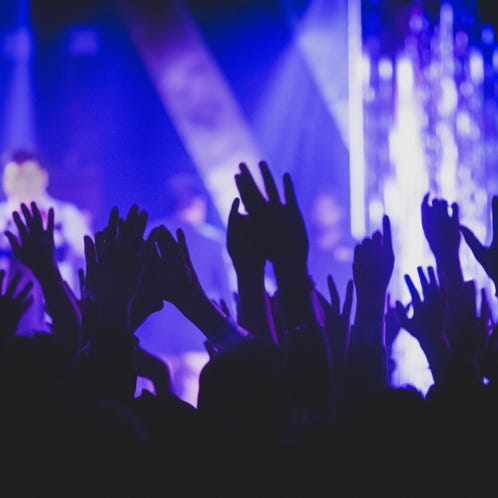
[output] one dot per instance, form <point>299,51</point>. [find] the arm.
<point>304,340</point>
<point>442,232</point>
<point>246,250</point>
<point>34,246</point>
<point>13,304</point>
<point>181,287</point>
<point>486,256</point>
<point>427,324</point>
<point>372,269</point>
<point>115,266</point>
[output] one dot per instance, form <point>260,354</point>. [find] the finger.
<point>432,277</point>
<point>14,243</point>
<point>81,280</point>
<point>386,232</point>
<point>234,211</point>
<point>90,253</point>
<point>249,192</point>
<point>423,280</point>
<point>150,249</point>
<point>111,231</point>
<point>37,221</point>
<point>165,241</point>
<point>455,213</point>
<point>476,247</point>
<point>99,244</point>
<point>289,192</point>
<point>143,217</point>
<point>413,290</point>
<point>184,248</point>
<point>12,285</point>
<point>334,295</point>
<point>50,221</point>
<point>21,227</point>
<point>348,301</point>
<point>28,217</point>
<point>269,182</point>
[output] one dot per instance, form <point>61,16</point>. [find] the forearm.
<point>449,270</point>
<point>63,309</point>
<point>369,326</point>
<point>295,295</point>
<point>255,313</point>
<point>218,328</point>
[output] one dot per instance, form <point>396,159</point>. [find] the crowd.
<point>295,399</point>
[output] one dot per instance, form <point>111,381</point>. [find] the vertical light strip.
<point>322,39</point>
<point>356,146</point>
<point>195,94</point>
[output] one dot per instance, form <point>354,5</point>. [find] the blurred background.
<point>367,104</point>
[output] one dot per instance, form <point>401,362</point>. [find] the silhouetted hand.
<point>373,265</point>
<point>428,320</point>
<point>180,283</point>
<point>34,244</point>
<point>34,247</point>
<point>486,256</point>
<point>468,330</point>
<point>244,242</point>
<point>114,263</point>
<point>282,224</point>
<point>13,303</point>
<point>441,230</point>
<point>337,323</point>
<point>427,323</point>
<point>148,299</point>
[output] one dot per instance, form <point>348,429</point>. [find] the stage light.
<point>487,35</point>
<point>385,69</point>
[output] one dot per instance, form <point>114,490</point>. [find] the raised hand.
<point>282,224</point>
<point>373,265</point>
<point>427,323</point>
<point>13,303</point>
<point>244,242</point>
<point>441,229</point>
<point>246,247</point>
<point>34,244</point>
<point>428,319</point>
<point>178,277</point>
<point>148,298</point>
<point>114,263</point>
<point>486,256</point>
<point>337,323</point>
<point>442,232</point>
<point>34,247</point>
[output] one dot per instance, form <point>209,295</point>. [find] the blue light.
<point>487,35</point>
